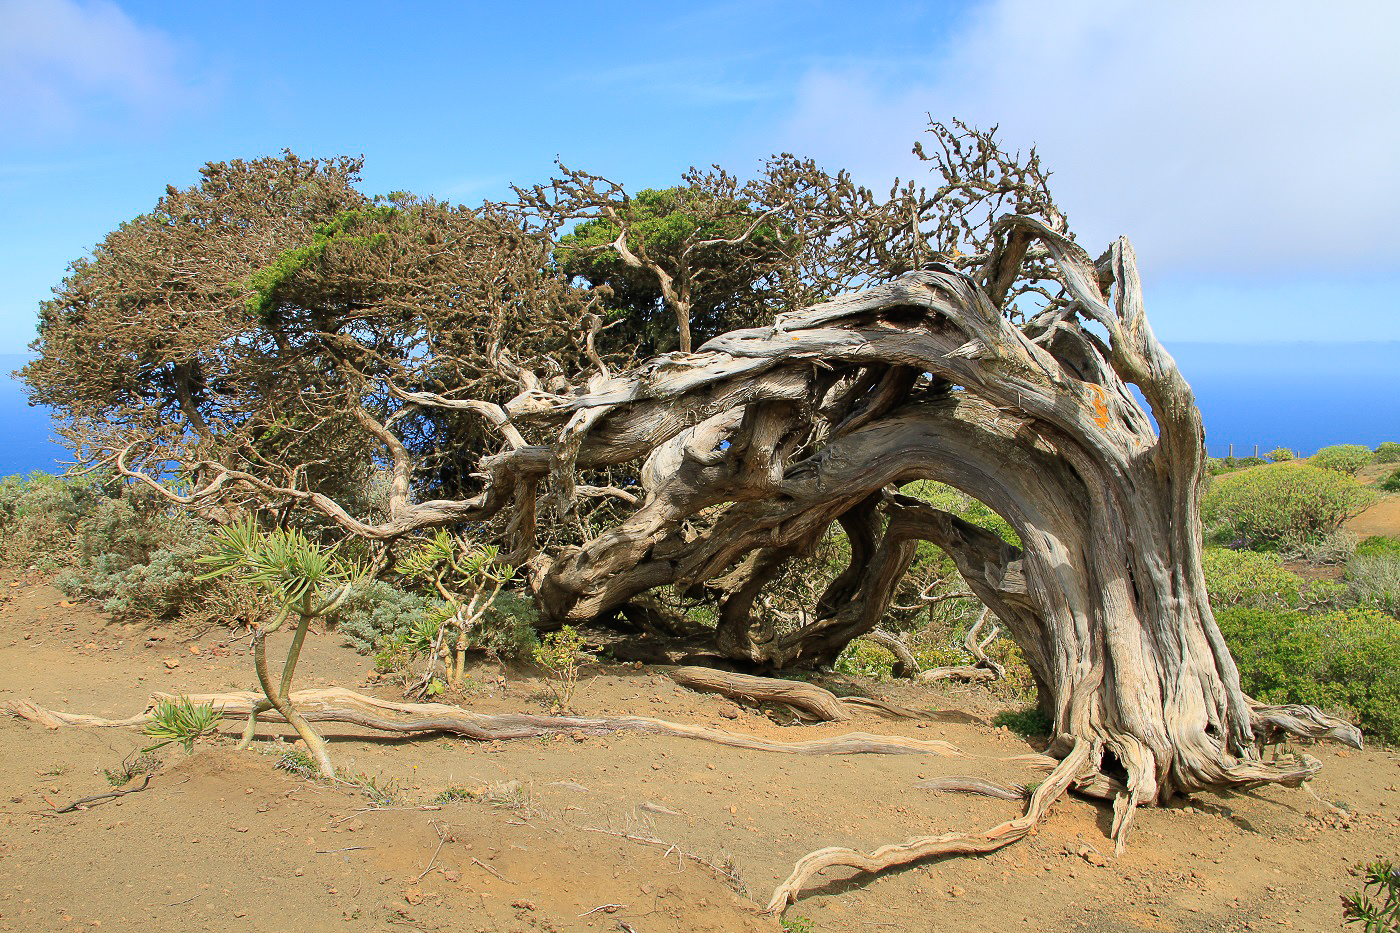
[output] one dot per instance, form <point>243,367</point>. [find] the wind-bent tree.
<point>1002,366</point>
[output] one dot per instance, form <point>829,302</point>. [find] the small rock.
<point>413,895</point>
<point>523,904</point>
<point>194,649</point>
<point>955,891</point>
<point>729,711</point>
<point>453,876</point>
<point>170,664</point>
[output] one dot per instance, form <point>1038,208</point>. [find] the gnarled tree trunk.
<point>757,443</point>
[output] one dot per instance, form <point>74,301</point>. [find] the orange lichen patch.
<point>1100,405</point>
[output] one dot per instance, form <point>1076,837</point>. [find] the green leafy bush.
<point>1392,482</point>
<point>1387,452</point>
<point>383,619</point>
<point>1282,504</point>
<point>1280,455</point>
<point>123,547</point>
<point>1379,546</point>
<point>1343,458</point>
<point>376,612</point>
<point>1029,721</point>
<point>39,516</point>
<point>1346,661</point>
<point>1250,580</point>
<point>1374,580</point>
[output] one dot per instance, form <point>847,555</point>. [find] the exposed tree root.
<point>1271,723</point>
<point>1003,834</point>
<point>804,697</point>
<point>336,704</point>
<point>1078,770</point>
<point>952,784</point>
<point>968,673</point>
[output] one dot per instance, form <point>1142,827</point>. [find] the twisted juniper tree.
<point>989,352</point>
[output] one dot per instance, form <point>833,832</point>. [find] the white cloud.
<point>1222,137</point>
<point>68,66</point>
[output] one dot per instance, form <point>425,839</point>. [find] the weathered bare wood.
<point>336,704</point>
<point>1003,834</point>
<point>807,698</point>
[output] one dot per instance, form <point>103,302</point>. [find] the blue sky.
<point>1248,149</point>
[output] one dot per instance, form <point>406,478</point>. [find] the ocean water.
<point>1302,396</point>
<point>1296,395</point>
<point>26,441</point>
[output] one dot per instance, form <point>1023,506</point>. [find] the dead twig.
<point>442,841</point>
<point>82,804</point>
<point>492,870</point>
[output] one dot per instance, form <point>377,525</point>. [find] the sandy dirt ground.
<point>588,833</point>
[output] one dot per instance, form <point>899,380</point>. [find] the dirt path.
<point>221,840</point>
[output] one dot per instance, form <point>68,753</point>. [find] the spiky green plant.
<point>468,577</point>
<point>303,580</point>
<point>180,720</point>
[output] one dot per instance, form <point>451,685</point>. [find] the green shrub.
<point>1345,661</point>
<point>507,630</point>
<point>1282,504</point>
<point>1387,452</point>
<point>1029,721</point>
<point>1280,455</point>
<point>379,617</point>
<point>1392,482</point>
<point>376,612</point>
<point>1343,458</point>
<point>1374,580</point>
<point>121,546</point>
<point>39,516</point>
<point>1379,546</point>
<point>562,656</point>
<point>1249,579</point>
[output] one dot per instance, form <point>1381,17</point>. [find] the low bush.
<point>1028,722</point>
<point>1342,458</point>
<point>1258,580</point>
<point>1280,455</point>
<point>1379,546</point>
<point>1336,547</point>
<point>1374,581</point>
<point>1347,662</point>
<point>120,546</point>
<point>39,516</point>
<point>383,619</point>
<point>1392,482</point>
<point>377,612</point>
<point>1387,452</point>
<point>1282,504</point>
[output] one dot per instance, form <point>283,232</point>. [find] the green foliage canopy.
<point>1282,504</point>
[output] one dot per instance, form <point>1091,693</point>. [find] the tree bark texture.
<point>753,446</point>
